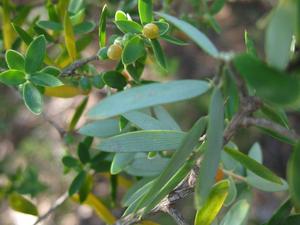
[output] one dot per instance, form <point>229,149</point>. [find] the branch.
<point>248,106</point>
<point>68,71</point>
<point>234,175</point>
<point>56,204</point>
<point>264,123</point>
<point>175,214</point>
<point>59,129</point>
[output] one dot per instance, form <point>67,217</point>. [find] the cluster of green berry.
<point>150,31</point>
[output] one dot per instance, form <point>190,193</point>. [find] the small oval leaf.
<point>15,60</point>
<point>35,54</point>
<point>32,98</point>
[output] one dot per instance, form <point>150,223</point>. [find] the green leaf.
<point>259,76</point>
<point>129,26</point>
<point>133,50</point>
<point>158,53</point>
<point>32,98</point>
<point>15,60</point>
<point>145,8</point>
<point>212,154</point>
<point>54,71</point>
<point>292,220</point>
<point>253,165</point>
<point>142,141</point>
<point>78,17</point>
<point>142,166</point>
<point>85,84</point>
<point>85,188</point>
<point>258,182</point>
<point>83,150</point>
<point>144,121</point>
<point>120,15</point>
<point>163,27</point>
<point>18,203</point>
<point>98,81</point>
<point>12,77</point>
<point>129,195</point>
<point>232,192</point>
<point>281,214</point>
<point>216,6</point>
<point>136,192</point>
<point>78,113</point>
<point>84,27</point>
<point>27,182</point>
<point>35,54</point>
<point>23,34</point>
<point>275,114</point>
<point>77,183</point>
<point>229,163</point>
<point>45,80</point>
<point>197,36</point>
<point>173,40</point>
<point>102,53</point>
<point>114,79</point>
<point>102,27</point>
<point>293,169</point>
<point>237,214</point>
<point>75,5</point>
<point>279,34</point>
<point>41,31</point>
<point>136,70</point>
<point>184,149</point>
<point>70,162</point>
<point>231,93</point>
<point>120,162</point>
<point>50,25</point>
<point>170,185</point>
<point>164,117</point>
<point>102,128</point>
<point>212,22</point>
<point>69,36</point>
<point>213,204</point>
<point>249,45</point>
<point>146,96</point>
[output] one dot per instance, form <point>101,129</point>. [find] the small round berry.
<point>114,52</point>
<point>151,31</point>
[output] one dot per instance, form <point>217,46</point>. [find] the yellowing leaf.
<point>101,210</point>
<point>122,181</point>
<point>64,91</point>
<point>213,204</point>
<point>7,29</point>
<point>69,37</point>
<point>62,7</point>
<point>18,203</point>
<point>63,60</point>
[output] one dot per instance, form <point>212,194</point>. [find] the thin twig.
<point>56,204</point>
<point>68,71</point>
<point>234,175</point>
<point>175,214</point>
<point>59,129</point>
<point>248,106</point>
<point>264,123</point>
